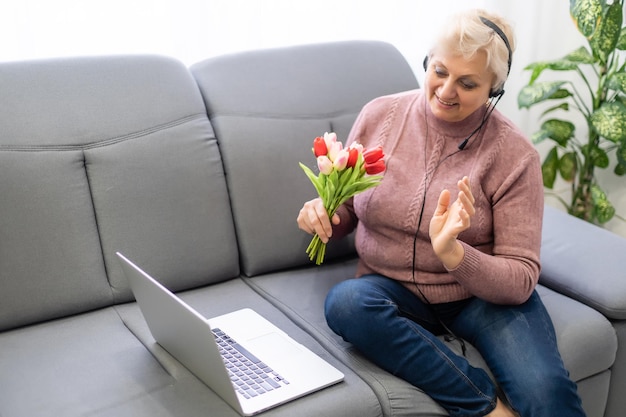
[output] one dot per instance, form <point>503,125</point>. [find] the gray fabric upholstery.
<point>278,101</point>
<point>219,299</point>
<point>194,175</point>
<point>584,262</point>
<point>617,399</point>
<point>99,155</point>
<point>582,333</point>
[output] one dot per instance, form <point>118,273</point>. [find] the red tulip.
<point>353,157</point>
<point>319,146</point>
<point>372,155</point>
<point>375,168</point>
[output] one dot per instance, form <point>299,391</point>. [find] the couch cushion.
<point>267,107</point>
<point>351,397</point>
<point>586,339</point>
<point>574,253</point>
<point>98,155</point>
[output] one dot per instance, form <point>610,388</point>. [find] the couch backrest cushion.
<point>99,155</point>
<point>266,108</point>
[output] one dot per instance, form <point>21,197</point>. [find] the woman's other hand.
<point>313,219</point>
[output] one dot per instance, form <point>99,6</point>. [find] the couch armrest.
<point>584,262</point>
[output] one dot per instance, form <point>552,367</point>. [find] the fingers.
<point>442,203</point>
<point>313,219</point>
<point>465,197</point>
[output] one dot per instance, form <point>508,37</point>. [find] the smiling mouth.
<point>445,103</point>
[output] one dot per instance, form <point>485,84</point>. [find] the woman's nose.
<point>447,90</point>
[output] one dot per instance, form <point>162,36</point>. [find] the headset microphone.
<point>492,107</point>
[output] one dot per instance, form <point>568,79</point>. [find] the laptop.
<point>248,361</point>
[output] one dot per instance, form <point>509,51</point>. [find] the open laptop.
<point>248,361</point>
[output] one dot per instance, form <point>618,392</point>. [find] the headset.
<point>499,92</point>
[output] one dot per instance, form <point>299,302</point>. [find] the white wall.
<point>192,30</point>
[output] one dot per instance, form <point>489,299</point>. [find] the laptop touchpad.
<point>273,345</point>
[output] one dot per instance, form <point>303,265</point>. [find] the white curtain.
<point>192,30</point>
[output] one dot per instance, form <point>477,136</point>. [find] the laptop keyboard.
<point>250,376</point>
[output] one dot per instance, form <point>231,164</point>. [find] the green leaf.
<point>560,93</point>
<point>550,167</point>
<point>610,121</point>
<point>585,14</point>
<point>563,106</point>
<point>314,179</point>
<point>580,56</point>
<point>621,42</point>
<point>568,166</point>
<point>538,92</point>
<point>618,82</point>
<point>556,65</point>
<point>603,41</point>
<point>539,136</point>
<point>599,157</point>
<point>603,209</point>
<point>559,130</point>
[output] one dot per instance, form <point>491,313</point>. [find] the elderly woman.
<point>449,241</point>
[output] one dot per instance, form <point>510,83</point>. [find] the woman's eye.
<point>468,85</point>
<point>440,72</point>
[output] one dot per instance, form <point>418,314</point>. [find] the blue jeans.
<point>396,330</point>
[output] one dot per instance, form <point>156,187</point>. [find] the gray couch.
<point>193,174</point>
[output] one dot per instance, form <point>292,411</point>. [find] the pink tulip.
<point>334,150</point>
<point>330,138</point>
<point>324,164</point>
<point>341,160</point>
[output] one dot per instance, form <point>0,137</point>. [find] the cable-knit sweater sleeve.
<point>510,272</point>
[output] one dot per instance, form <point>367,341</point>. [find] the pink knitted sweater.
<point>501,262</point>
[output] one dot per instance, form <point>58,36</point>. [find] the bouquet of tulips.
<point>344,172</point>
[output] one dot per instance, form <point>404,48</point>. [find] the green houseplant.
<point>599,96</point>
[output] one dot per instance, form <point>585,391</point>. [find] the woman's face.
<point>455,86</point>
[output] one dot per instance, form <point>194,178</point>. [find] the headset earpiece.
<point>426,63</point>
<point>496,93</point>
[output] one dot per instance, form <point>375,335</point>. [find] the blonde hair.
<point>466,34</point>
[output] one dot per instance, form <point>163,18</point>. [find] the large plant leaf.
<point>621,42</point>
<point>599,157</point>
<point>603,209</point>
<point>586,14</point>
<point>550,167</point>
<point>558,65</point>
<point>568,166</point>
<point>603,41</point>
<point>610,121</point>
<point>539,136</point>
<point>568,63</point>
<point>580,56</point>
<point>538,92</point>
<point>559,130</point>
<point>617,82</point>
